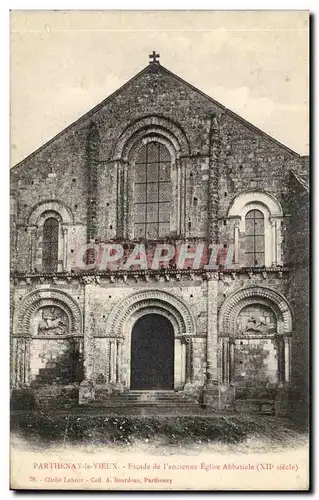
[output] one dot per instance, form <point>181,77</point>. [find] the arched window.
<point>255,238</point>
<point>256,217</point>
<point>50,245</point>
<point>152,192</point>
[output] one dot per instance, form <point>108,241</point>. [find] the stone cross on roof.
<point>153,57</point>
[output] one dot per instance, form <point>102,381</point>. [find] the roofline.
<point>81,119</point>
<point>231,113</point>
<point>126,84</point>
<point>300,181</point>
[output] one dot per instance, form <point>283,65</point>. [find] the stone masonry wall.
<point>249,160</point>
<point>298,291</point>
<point>246,160</point>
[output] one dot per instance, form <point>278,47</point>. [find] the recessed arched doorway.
<point>152,353</point>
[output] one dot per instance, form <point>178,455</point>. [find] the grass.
<point>44,429</point>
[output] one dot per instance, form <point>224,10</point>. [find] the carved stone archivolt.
<point>139,312</point>
<point>254,295</point>
<point>44,298</point>
<point>151,125</point>
<point>147,302</point>
<point>55,206</point>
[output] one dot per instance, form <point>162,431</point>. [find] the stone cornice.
<point>162,276</point>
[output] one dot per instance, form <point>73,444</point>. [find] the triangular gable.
<point>166,71</point>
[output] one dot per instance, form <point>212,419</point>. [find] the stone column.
<point>119,200</point>
<point>282,398</point>
<point>212,330</point>
<point>128,228</point>
<point>32,230</point>
<point>27,343</point>
<point>281,360</point>
<point>184,180</point>
<point>16,361</point>
<point>87,388</point>
<point>236,241</point>
<point>21,361</point>
<point>178,202</point>
<point>119,362</point>
<point>213,180</point>
<point>178,197</point>
<point>183,208</point>
<point>113,360</point>
<point>211,387</point>
<point>20,369</point>
<point>231,360</point>
<point>227,360</point>
<point>92,160</point>
<point>227,395</point>
<point>78,351</point>
<point>287,342</point>
<point>188,343</point>
<point>278,241</point>
<point>273,242</point>
<point>13,350</point>
<point>65,247</point>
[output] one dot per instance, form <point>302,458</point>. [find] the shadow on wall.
<point>56,383</point>
<point>63,370</point>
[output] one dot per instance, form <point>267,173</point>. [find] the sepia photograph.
<point>159,250</point>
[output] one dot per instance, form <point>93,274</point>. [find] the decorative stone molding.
<point>237,207</point>
<point>149,300</point>
<point>44,297</point>
<point>258,295</point>
<point>211,276</point>
<point>147,126</point>
<point>138,134</point>
<point>152,135</point>
<point>271,209</point>
<point>92,162</point>
<point>147,276</point>
<point>154,309</point>
<point>35,222</point>
<point>89,280</point>
<point>213,184</point>
<point>55,206</point>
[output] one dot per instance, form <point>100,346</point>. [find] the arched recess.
<point>141,132</point>
<point>150,125</point>
<point>254,294</point>
<point>171,306</point>
<point>243,200</point>
<point>59,207</point>
<point>272,214</point>
<point>45,297</point>
<point>53,352</point>
<point>123,318</point>
<point>259,341</point>
<point>43,211</point>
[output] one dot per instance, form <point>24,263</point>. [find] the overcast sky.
<point>64,63</point>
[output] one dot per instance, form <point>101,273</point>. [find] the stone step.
<point>144,398</point>
<point>117,404</point>
<point>145,395</point>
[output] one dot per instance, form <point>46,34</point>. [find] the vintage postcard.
<point>159,250</point>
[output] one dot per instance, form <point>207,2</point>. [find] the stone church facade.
<point>160,165</point>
